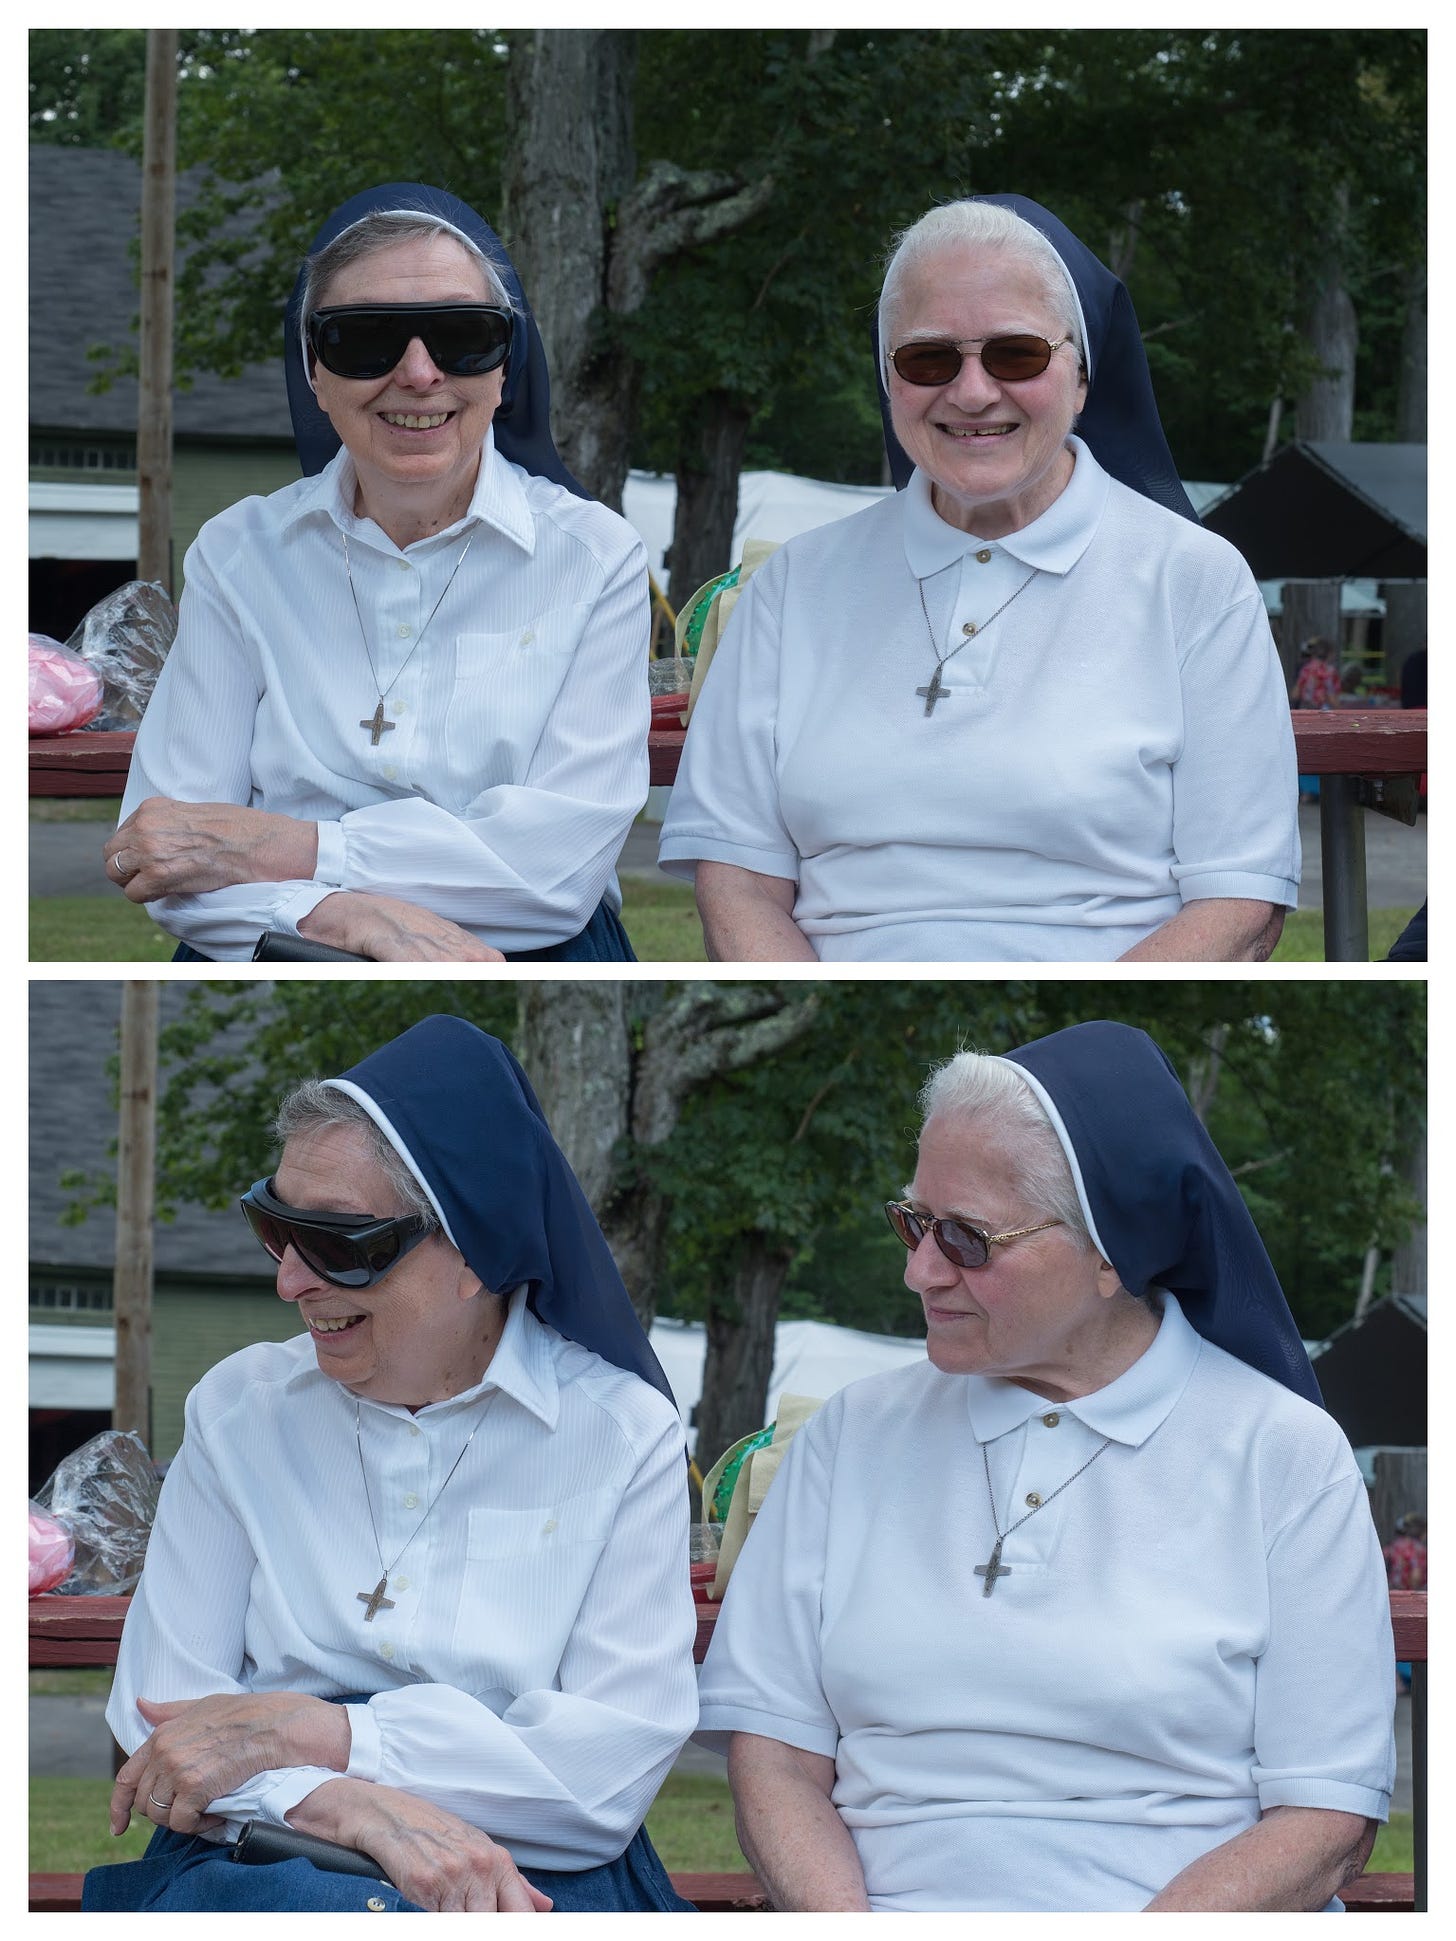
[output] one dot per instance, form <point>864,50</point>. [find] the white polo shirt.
<point>1195,1629</point>
<point>1116,742</point>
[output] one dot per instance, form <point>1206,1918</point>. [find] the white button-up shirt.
<point>533,1669</point>
<point>1194,1629</point>
<point>501,795</point>
<point>1113,739</point>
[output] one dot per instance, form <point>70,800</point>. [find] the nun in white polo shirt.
<point>1025,708</point>
<point>1086,1612</point>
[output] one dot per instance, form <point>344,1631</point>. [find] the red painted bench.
<point>1365,755</point>
<point>87,1631</point>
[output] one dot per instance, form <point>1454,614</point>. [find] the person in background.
<point>1318,683</point>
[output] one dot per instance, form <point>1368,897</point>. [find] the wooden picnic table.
<point>1364,757</point>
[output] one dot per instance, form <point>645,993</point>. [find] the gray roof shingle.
<point>73,1032</point>
<point>84,212</point>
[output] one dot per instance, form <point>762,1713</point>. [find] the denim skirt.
<point>182,1873</point>
<point>604,941</point>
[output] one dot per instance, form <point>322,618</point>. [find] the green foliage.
<point>1220,153</point>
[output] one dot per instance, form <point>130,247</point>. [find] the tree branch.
<point>671,210</point>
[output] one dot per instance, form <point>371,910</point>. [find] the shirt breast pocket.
<point>525,1574</point>
<point>505,686</point>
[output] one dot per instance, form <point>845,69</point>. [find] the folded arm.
<point>1214,930</point>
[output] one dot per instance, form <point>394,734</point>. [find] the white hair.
<point>985,228</point>
<point>316,1105</point>
<point>975,1087</point>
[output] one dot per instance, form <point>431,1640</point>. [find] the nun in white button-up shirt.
<point>418,1583</point>
<point>406,713</point>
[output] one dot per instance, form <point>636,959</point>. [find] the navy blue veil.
<point>461,1112</point>
<point>1119,422</point>
<point>522,423</point>
<point>1164,1207</point>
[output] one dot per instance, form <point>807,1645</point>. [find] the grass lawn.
<point>691,1826</point>
<point>1303,941</point>
<point>660,918</point>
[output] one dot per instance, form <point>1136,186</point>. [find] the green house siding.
<point>206,479</point>
<point>196,1322</point>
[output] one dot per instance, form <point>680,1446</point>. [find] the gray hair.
<point>975,1086</point>
<point>381,229</point>
<point>316,1106</point>
<point>986,227</point>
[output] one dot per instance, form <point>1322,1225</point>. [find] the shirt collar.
<point>1053,543</point>
<point>521,1367</point>
<point>499,500</point>
<point>1128,1409</point>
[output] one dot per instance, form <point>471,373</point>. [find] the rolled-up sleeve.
<point>762,1671</point>
<point>1324,1690</point>
<point>1235,782</point>
<point>724,806</point>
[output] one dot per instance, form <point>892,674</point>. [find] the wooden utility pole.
<point>135,1176</point>
<point>154,386</point>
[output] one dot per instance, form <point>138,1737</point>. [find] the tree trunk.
<point>740,1330</point>
<point>613,1065</point>
<point>1400,1488</point>
<point>1326,410</point>
<point>1408,1264</point>
<point>587,234</point>
<point>1204,1073</point>
<point>1404,630</point>
<point>707,497</point>
<point>568,160</point>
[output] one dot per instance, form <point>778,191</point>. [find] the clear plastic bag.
<point>105,1493</point>
<point>125,638</point>
<point>65,691</point>
<point>52,1551</point>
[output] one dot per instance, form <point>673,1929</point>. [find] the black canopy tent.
<point>1330,511</point>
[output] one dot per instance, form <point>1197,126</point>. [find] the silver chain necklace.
<point>937,688</point>
<point>994,1568</point>
<point>376,722</point>
<point>375,1601</point>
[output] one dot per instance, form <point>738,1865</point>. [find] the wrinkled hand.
<point>392,931</point>
<point>440,1862</point>
<point>203,1748</point>
<point>167,848</point>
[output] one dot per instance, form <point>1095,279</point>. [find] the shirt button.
<point>1033,1500</point>
<point>386,1651</point>
<point>404,566</point>
<point>968,627</point>
<point>401,707</point>
<point>410,1501</point>
<point>984,555</point>
<point>401,1583</point>
<point>388,771</point>
<point>527,637</point>
<point>414,1428</point>
<point>375,1905</point>
<point>403,631</point>
<point>1050,1421</point>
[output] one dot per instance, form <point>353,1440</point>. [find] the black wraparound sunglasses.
<point>366,340</point>
<point>962,1244</point>
<point>345,1249</point>
<point>1008,359</point>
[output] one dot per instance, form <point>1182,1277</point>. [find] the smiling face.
<point>995,453</point>
<point>1045,1312</point>
<point>425,1331</point>
<point>416,432</point>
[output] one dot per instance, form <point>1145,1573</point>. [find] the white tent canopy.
<point>810,1358</point>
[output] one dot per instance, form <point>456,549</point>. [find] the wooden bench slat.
<point>1338,741</point>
